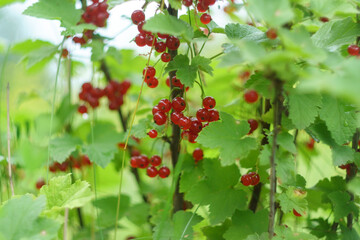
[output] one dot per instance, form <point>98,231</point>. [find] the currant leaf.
<point>229,136</point>
<point>342,204</point>
<point>184,71</point>
<point>61,147</point>
<point>292,199</point>
<point>243,31</point>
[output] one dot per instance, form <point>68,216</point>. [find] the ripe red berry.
<point>140,39</point>
<point>253,125</point>
<point>175,82</point>
<point>160,47</point>
<point>82,109</point>
<point>149,72</point>
<point>155,109</point>
<point>164,172</point>
<point>160,118</point>
<point>167,81</point>
<point>202,115</point>
<point>296,213</point>
<point>152,133</point>
<point>310,144</point>
<point>192,137</point>
<point>178,104</point>
<point>149,39</point>
<point>187,3</point>
<point>205,18</point>
<point>246,180</point>
<point>163,36</point>
<point>196,126</point>
<point>155,160</point>
<point>153,82</point>
<point>85,160</point>
<point>201,7</point>
<point>353,50</point>
<point>152,171</point>
<point>86,87</point>
<point>324,19</point>
<point>209,102</point>
<point>165,57</point>
<point>40,183</point>
<point>64,53</point>
<point>255,179</point>
<point>137,16</point>
<point>271,33</point>
<point>142,161</point>
<point>251,96</point>
<point>172,43</point>
<point>133,162</point>
<point>164,105</point>
<point>184,123</point>
<point>198,154</point>
<point>140,28</point>
<point>175,117</point>
<point>213,115</point>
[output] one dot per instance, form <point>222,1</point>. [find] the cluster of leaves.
<point>319,99</point>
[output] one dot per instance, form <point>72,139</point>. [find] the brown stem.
<point>278,107</point>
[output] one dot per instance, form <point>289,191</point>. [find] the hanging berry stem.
<point>278,107</point>
<point>8,139</point>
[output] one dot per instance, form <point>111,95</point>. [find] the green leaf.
<point>354,186</point>
<point>184,71</point>
<point>262,85</point>
<point>61,147</point>
<point>292,199</point>
<point>19,219</point>
<point>203,64</point>
<point>283,232</point>
<point>336,33</point>
<point>286,141</point>
<point>342,205</point>
<point>138,213</point>
<point>168,24</point>
<point>61,193</point>
<point>217,191</point>
<point>107,206</point>
<point>216,232</point>
<point>100,153</point>
<point>176,4</point>
<point>63,10</point>
<point>229,136</point>
<point>183,223</point>
<point>342,155</point>
<point>303,108</point>
<point>275,13</point>
<point>193,173</point>
<point>329,8</point>
<point>245,223</point>
<point>97,50</point>
<point>243,31</point>
<point>7,2</point>
<point>341,122</point>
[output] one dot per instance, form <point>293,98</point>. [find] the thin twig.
<point>8,139</point>
<point>66,216</point>
<point>252,19</point>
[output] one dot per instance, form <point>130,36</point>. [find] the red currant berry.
<point>142,161</point>
<point>165,57</point>
<point>150,40</point>
<point>205,18</point>
<point>172,43</point>
<point>198,154</point>
<point>149,72</point>
<point>133,162</point>
<point>140,40</point>
<point>196,126</point>
<point>185,123</point>
<point>86,87</point>
<point>175,82</point>
<point>152,133</point>
<point>187,3</point>
<point>175,117</point>
<point>210,2</point>
<point>246,180</point>
<point>310,144</point>
<point>40,183</point>
<point>137,16</point>
<point>202,115</point>
<point>64,53</point>
<point>155,109</point>
<point>255,179</point>
<point>346,166</point>
<point>253,125</point>
<point>135,152</point>
<point>164,172</point>
<point>155,160</point>
<point>82,109</point>
<point>296,213</point>
<point>151,171</point>
<point>213,115</point>
<point>324,19</point>
<point>192,137</point>
<point>353,50</point>
<point>160,47</point>
<point>167,81</point>
<point>178,104</point>
<point>85,160</point>
<point>251,96</point>
<point>164,105</point>
<point>201,7</point>
<point>271,33</point>
<point>163,36</point>
<point>209,102</point>
<point>140,28</point>
<point>153,82</point>
<point>160,118</point>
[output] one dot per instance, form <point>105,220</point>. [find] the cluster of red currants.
<point>142,161</point>
<point>77,163</point>
<point>97,14</point>
<point>149,77</point>
<point>114,91</point>
<point>202,6</point>
<point>353,50</point>
<point>160,41</point>
<point>251,178</point>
